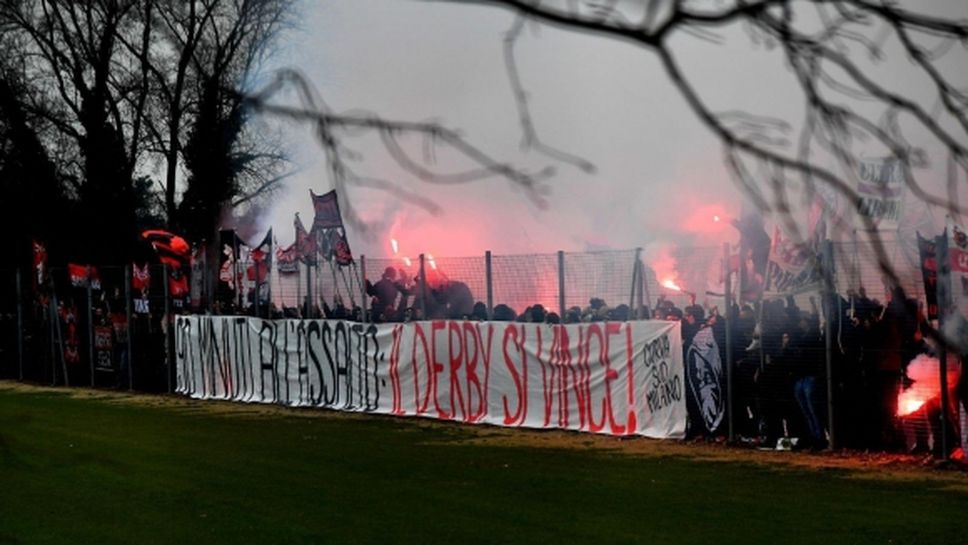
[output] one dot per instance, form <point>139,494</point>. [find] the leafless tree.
<point>118,90</point>
<point>830,46</point>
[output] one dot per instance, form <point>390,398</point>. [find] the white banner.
<point>602,377</point>
<point>792,268</point>
<point>880,187</point>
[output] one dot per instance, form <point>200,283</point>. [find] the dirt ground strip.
<point>861,465</point>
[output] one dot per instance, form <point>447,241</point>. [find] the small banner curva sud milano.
<point>601,377</point>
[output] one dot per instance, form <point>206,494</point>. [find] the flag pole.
<point>347,285</point>
<point>127,306</point>
<point>269,276</point>
<point>90,325</point>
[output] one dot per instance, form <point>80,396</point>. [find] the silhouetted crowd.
<point>779,356</point>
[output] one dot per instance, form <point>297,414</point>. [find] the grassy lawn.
<point>96,467</point>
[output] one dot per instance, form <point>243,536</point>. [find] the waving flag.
<point>305,242</point>
<point>287,259</point>
<point>172,249</point>
<point>260,260</point>
<point>80,275</point>
<point>328,228</point>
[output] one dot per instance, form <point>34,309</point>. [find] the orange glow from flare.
<point>395,246</point>
<point>716,219</point>
<point>671,284</point>
<point>407,262</point>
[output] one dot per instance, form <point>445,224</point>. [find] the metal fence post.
<point>422,290</point>
<point>640,311</point>
<point>127,310</point>
<point>20,329</point>
<point>944,306</point>
<point>561,283</point>
<point>644,291</point>
<point>166,324</point>
<point>363,297</point>
<point>633,310</point>
<point>489,282</point>
<point>90,325</point>
<point>828,295</point>
<point>728,324</point>
<point>256,311</point>
<point>310,308</point>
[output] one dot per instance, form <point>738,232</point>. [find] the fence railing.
<point>825,366</point>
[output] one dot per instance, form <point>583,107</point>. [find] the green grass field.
<point>95,467</point>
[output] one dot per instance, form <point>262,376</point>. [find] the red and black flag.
<point>81,275</point>
<point>305,242</point>
<point>287,259</point>
<point>261,260</point>
<point>328,228</point>
<point>327,211</point>
<point>229,265</point>
<point>172,249</point>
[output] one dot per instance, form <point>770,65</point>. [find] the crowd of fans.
<point>779,354</point>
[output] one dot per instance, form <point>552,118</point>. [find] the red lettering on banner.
<point>959,260</point>
<point>438,367</point>
<point>597,331</point>
<point>520,380</point>
<point>395,369</point>
<point>486,358</point>
<point>453,332</point>
<point>418,334</point>
<point>581,383</point>
<point>569,376</point>
<point>632,423</point>
<point>472,336</point>
<point>611,328</point>
<point>547,385</point>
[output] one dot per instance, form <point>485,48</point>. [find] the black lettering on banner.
<point>182,334</point>
<point>240,330</point>
<point>331,393</point>
<point>342,351</point>
<point>198,376</point>
<point>249,361</point>
<point>302,367</point>
<point>357,362</point>
<point>316,387</point>
<point>270,364</point>
<point>286,326</point>
<point>214,358</point>
<point>663,388</point>
<point>228,373</point>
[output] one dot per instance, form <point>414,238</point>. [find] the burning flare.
<point>671,284</point>
<point>909,401</point>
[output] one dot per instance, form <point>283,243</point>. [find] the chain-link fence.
<point>849,363</point>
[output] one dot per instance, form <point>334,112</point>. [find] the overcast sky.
<point>659,174</point>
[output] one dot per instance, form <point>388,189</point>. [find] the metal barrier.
<point>845,364</point>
